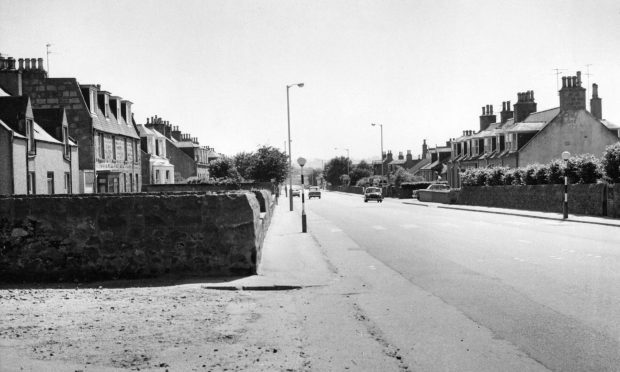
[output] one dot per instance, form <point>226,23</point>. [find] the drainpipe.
<point>11,165</point>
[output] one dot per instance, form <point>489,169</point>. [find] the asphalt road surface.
<point>549,288</point>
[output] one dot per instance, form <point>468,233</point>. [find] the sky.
<point>218,69</point>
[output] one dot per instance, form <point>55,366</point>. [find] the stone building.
<point>190,160</point>
<point>109,160</point>
<point>37,155</point>
<point>437,165</point>
<point>156,169</point>
<point>526,136</point>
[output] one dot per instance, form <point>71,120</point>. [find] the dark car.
<point>314,192</point>
<point>373,193</point>
<point>433,187</point>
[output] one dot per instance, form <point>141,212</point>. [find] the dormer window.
<point>93,102</point>
<point>107,105</point>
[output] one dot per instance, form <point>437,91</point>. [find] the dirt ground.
<point>163,328</point>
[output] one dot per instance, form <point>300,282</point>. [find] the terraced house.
<point>102,125</point>
<point>526,136</point>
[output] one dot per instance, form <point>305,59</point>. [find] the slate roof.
<point>8,129</point>
<point>49,120</point>
<point>610,125</point>
<point>11,108</point>
<point>41,135</point>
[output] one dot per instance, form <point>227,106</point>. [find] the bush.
<point>588,168</point>
<point>469,177</point>
<point>496,176</point>
<point>530,174</point>
<point>555,172</point>
<point>610,162</point>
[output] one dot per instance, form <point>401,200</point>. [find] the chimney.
<point>572,95</point>
<point>409,157</point>
<point>27,60</point>
<point>525,106</point>
<point>424,149</point>
<point>389,156</point>
<point>40,64</point>
<point>176,133</point>
<point>400,156</point>
<point>3,64</point>
<point>506,112</point>
<point>595,103</point>
<point>10,63</point>
<point>487,118</point>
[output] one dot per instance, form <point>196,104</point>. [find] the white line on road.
<point>377,227</point>
<point>409,226</point>
<point>335,230</point>
<point>524,241</point>
<point>447,224</point>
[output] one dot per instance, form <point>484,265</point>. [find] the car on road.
<point>296,191</point>
<point>433,187</point>
<point>373,193</point>
<point>314,192</point>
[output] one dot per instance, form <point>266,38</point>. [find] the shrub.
<point>588,168</point>
<point>469,177</point>
<point>610,162</point>
<point>482,175</point>
<point>541,175</point>
<point>496,176</point>
<point>555,172</point>
<point>518,176</point>
<point>530,174</point>
<point>509,177</point>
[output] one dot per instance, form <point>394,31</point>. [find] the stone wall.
<point>587,199</point>
<point>445,197</point>
<point>64,238</point>
<point>203,187</point>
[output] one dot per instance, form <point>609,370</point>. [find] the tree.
<point>335,168</point>
<point>360,171</point>
<point>223,167</point>
<point>269,163</point>
<point>611,162</point>
<point>244,162</point>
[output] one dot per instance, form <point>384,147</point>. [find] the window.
<point>93,102</point>
<point>125,147</point>
<point>31,185</point>
<point>68,183</point>
<point>101,146</point>
<point>107,105</point>
<point>156,175</point>
<point>65,137</point>
<point>124,182</point>
<point>134,154</point>
<point>30,134</point>
<point>167,176</point>
<point>50,183</point>
<point>114,147</point>
<point>156,147</point>
<point>137,183</point>
<point>131,182</point>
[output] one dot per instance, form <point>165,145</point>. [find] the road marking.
<point>335,230</point>
<point>409,226</point>
<point>597,256</point>
<point>377,227</point>
<point>556,257</point>
<point>524,241</point>
<point>518,223</point>
<point>518,259</point>
<point>372,267</point>
<point>447,224</point>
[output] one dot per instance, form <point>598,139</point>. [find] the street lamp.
<point>565,156</point>
<point>290,162</point>
<point>381,125</point>
<point>302,162</point>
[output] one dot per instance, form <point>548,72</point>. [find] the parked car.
<point>296,191</point>
<point>314,192</point>
<point>373,193</point>
<point>434,187</point>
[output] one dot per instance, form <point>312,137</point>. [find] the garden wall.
<point>585,199</point>
<point>445,197</point>
<point>205,187</point>
<point>93,237</point>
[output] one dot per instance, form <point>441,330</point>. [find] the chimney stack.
<point>409,156</point>
<point>572,94</point>
<point>40,64</point>
<point>506,112</point>
<point>27,60</point>
<point>400,156</point>
<point>487,118</point>
<point>595,103</point>
<point>525,106</point>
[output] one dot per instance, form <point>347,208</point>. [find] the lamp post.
<point>290,162</point>
<point>381,125</point>
<point>302,162</point>
<point>565,156</point>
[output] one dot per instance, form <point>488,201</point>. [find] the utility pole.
<point>47,48</point>
<point>588,75</point>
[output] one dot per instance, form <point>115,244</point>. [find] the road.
<point>549,289</point>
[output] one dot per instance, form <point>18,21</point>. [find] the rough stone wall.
<point>445,197</point>
<point>202,187</point>
<point>52,238</point>
<point>582,199</point>
<point>6,166</point>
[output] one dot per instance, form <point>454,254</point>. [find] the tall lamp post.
<point>302,162</point>
<point>290,162</point>
<point>565,157</point>
<point>381,125</point>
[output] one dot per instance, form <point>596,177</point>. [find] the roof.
<point>112,124</point>
<point>610,125</point>
<point>543,116</point>
<point>144,131</point>
<point>3,93</point>
<point>8,129</point>
<point>11,108</point>
<point>41,135</point>
<point>419,165</point>
<point>398,161</point>
<point>50,119</point>
<point>431,165</point>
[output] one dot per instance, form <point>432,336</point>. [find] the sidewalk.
<point>517,212</point>
<point>289,258</point>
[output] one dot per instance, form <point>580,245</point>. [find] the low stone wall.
<point>589,199</point>
<point>96,237</point>
<point>201,187</point>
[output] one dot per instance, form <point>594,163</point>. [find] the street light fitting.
<point>565,155</point>
<point>301,161</point>
<point>301,85</point>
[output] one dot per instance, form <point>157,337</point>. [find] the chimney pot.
<point>483,111</point>
<point>21,63</point>
<point>507,105</point>
<point>147,121</point>
<point>574,81</point>
<point>491,113</point>
<point>2,63</point>
<point>27,60</point>
<point>563,81</point>
<point>40,63</point>
<point>578,78</point>
<point>594,90</point>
